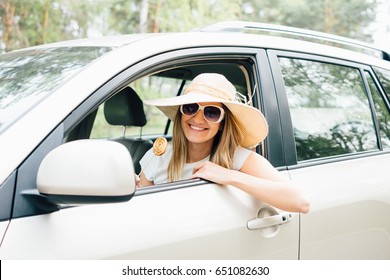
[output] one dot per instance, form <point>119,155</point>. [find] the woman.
<point>213,138</point>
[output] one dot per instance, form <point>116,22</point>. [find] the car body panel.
<point>347,217</point>
<point>201,222</point>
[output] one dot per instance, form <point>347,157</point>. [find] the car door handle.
<point>274,220</point>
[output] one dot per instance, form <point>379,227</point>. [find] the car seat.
<point>126,109</point>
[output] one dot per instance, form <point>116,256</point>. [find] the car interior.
<point>125,112</point>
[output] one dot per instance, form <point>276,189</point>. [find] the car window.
<point>382,112</point>
<point>329,109</point>
<point>384,78</point>
<point>30,75</point>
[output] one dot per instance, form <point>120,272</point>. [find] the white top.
<point>157,166</point>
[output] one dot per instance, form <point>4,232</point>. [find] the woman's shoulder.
<point>240,156</point>
<point>243,151</point>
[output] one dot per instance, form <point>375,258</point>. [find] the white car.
<point>73,128</point>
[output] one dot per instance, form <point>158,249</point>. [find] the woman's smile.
<point>195,127</point>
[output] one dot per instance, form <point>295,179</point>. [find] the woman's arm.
<point>141,181</point>
<point>260,179</point>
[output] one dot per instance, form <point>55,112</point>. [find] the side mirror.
<point>87,171</point>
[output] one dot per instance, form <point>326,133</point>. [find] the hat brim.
<point>254,127</point>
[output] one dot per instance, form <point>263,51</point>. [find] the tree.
<point>26,23</point>
<point>7,13</point>
<point>348,18</point>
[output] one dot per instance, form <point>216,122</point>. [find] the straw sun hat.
<point>212,87</point>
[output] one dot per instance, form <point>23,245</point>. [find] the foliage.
<point>26,23</point>
<point>342,17</point>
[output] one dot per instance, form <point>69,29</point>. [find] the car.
<point>73,128</point>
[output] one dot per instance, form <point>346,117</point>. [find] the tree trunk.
<point>155,27</point>
<point>143,17</point>
<point>329,16</point>
<point>45,21</point>
<point>8,21</point>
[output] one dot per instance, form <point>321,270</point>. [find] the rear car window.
<point>329,108</point>
<point>384,78</point>
<point>382,112</point>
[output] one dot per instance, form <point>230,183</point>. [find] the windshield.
<point>26,77</point>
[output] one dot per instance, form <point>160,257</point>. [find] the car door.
<point>191,219</point>
<point>339,152</point>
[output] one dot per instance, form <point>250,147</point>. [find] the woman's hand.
<point>141,181</point>
<point>212,172</point>
<point>137,181</point>
<point>260,179</point>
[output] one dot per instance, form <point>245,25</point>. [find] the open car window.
<point>166,83</point>
<point>129,121</point>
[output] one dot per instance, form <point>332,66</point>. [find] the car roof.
<point>233,34</point>
<point>302,34</point>
<point>104,41</point>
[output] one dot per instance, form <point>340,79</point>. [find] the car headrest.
<point>125,109</point>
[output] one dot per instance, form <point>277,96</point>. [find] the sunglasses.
<point>211,113</point>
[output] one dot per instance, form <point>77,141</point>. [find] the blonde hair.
<point>224,146</point>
